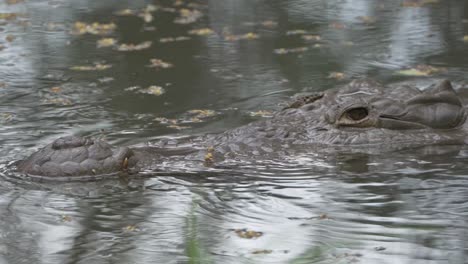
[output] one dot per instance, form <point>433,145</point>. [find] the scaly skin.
<point>360,115</point>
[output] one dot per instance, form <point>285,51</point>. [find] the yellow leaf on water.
<point>125,12</point>
<point>412,72</point>
<point>336,75</point>
<point>465,38</point>
<point>134,47</point>
<point>420,70</point>
<point>157,63</point>
<point>106,42</point>
<point>248,234</point>
<point>201,31</point>
<point>95,67</point>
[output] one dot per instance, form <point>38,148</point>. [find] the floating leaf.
<point>134,47</point>
<point>6,117</point>
<point>178,127</point>
<point>164,120</point>
<point>336,75</point>
<point>201,31</point>
<point>283,51</point>
<point>269,23</point>
<point>131,228</point>
<point>420,70</point>
<point>367,19</point>
<point>248,234</point>
<point>146,16</point>
<point>295,32</point>
<point>187,16</point>
<point>157,63</point>
<point>106,42</point>
<point>249,35</point>
<point>57,101</point>
<point>172,39</point>
<point>8,16</point>
<point>337,25</point>
<point>95,67</point>
<point>202,113</point>
<point>153,90</point>
<point>465,38</point>
<point>80,28</point>
<point>10,38</point>
<point>311,37</point>
<point>261,113</point>
<point>56,89</point>
<point>125,12</point>
<point>13,2</point>
<point>66,218</point>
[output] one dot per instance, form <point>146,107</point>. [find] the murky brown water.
<point>402,207</point>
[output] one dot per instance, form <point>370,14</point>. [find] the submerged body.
<point>362,114</point>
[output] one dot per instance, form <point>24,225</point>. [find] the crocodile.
<point>363,114</point>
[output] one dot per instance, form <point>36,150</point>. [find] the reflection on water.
<point>401,207</point>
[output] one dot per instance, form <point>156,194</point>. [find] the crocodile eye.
<point>357,114</point>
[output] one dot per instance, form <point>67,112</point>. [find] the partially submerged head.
<point>365,112</point>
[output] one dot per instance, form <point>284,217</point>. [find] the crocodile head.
<point>367,113</point>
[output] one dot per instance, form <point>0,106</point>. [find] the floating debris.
<point>56,89</point>
<point>134,47</point>
<point>172,39</point>
<point>380,248</point>
<point>420,70</point>
<point>163,120</point>
<point>201,31</point>
<point>250,35</point>
<point>283,51</point>
<point>336,75</point>
<point>187,16</point>
<point>95,67</point>
<point>311,37</point>
<point>6,117</point>
<point>146,16</point>
<point>157,63</point>
<point>65,218</point>
<point>8,16</point>
<point>10,38</point>
<point>248,234</point>
<point>153,90</point>
<point>80,28</point>
<point>131,228</point>
<point>178,127</point>
<point>105,79</point>
<point>14,2</point>
<point>202,113</point>
<point>261,113</point>
<point>367,19</point>
<point>337,25</point>
<point>62,101</point>
<point>106,42</point>
<point>465,38</point>
<point>209,157</point>
<point>295,32</point>
<point>125,12</point>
